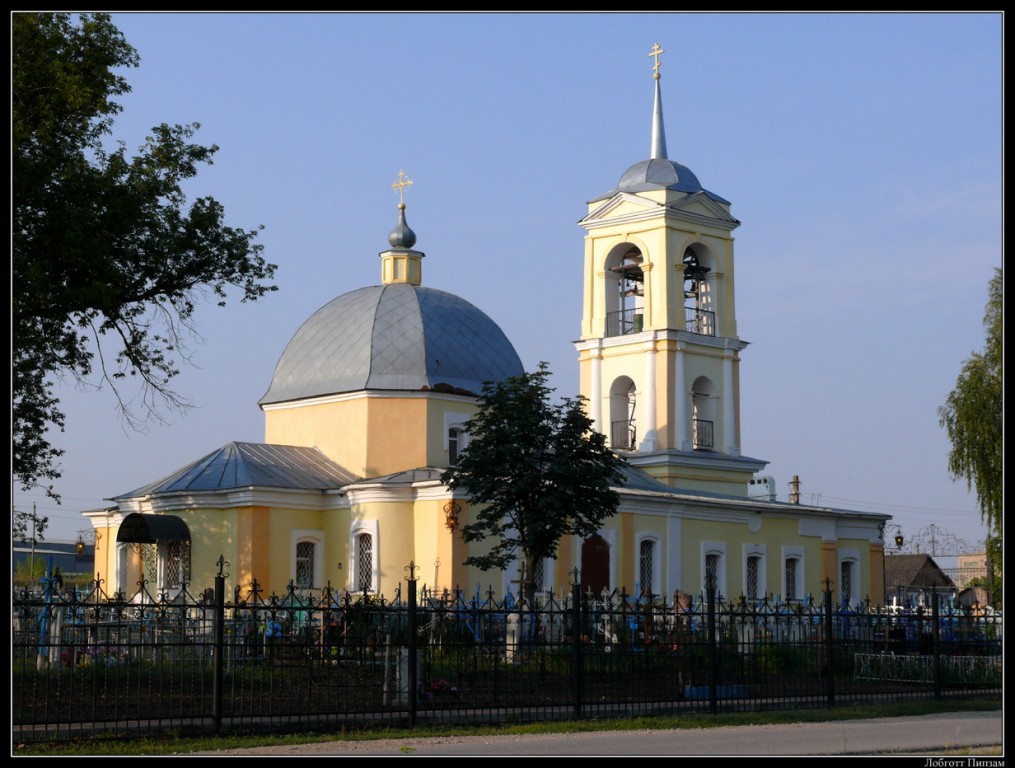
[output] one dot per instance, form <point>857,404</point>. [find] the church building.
<point>368,405</point>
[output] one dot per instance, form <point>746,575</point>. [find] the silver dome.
<point>393,337</point>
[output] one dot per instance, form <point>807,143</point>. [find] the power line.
<point>904,507</point>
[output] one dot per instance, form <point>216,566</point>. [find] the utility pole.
<point>31,561</point>
<point>794,490</point>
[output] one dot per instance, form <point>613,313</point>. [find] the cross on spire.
<point>401,184</point>
<point>656,51</point>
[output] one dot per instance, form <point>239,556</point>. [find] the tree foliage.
<point>973,416</point>
<point>534,471</point>
<point>109,260</point>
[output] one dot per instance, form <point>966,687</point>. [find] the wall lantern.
<point>79,547</point>
<point>451,512</point>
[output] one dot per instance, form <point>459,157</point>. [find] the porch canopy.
<point>138,528</point>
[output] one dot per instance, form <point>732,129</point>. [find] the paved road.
<point>927,734</point>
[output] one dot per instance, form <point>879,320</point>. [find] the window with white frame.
<point>755,584</point>
<point>306,558</point>
<point>793,573</point>
<point>752,576</point>
<point>649,566</point>
<point>174,564</point>
<point>453,446</point>
<point>713,566</point>
<point>455,437</point>
<point>364,553</point>
<point>364,562</point>
<point>306,553</point>
<point>849,577</point>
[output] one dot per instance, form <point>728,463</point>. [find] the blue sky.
<point>861,152</point>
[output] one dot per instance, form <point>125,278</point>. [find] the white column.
<point>681,431</point>
<point>728,423</point>
<point>596,393</point>
<point>649,441</point>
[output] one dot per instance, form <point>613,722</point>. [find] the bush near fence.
<point>87,664</point>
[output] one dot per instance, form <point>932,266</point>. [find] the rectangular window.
<point>539,575</point>
<point>846,581</point>
<point>790,592</point>
<point>712,571</point>
<point>753,572</point>
<point>452,447</point>
<point>646,565</point>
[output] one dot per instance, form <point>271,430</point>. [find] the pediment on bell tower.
<point>624,207</point>
<point>621,207</point>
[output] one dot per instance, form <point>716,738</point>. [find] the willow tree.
<point>973,416</point>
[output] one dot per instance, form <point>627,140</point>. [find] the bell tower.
<point>659,354</point>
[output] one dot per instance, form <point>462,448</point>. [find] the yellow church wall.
<point>214,533</point>
<point>326,426</point>
<point>829,564</point>
<point>773,535</point>
<point>876,573</point>
<point>397,430</point>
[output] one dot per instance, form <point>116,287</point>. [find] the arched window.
<point>306,558</point>
<point>623,429</point>
<point>755,583</point>
<point>625,292</point>
<point>703,409</point>
<point>649,566</point>
<point>713,566</point>
<point>698,279</point>
<point>364,563</point>
<point>849,577</point>
<point>793,573</point>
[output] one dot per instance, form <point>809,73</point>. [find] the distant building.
<point>911,580</point>
<point>969,567</point>
<point>63,555</point>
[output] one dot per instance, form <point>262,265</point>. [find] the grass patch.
<point>176,746</point>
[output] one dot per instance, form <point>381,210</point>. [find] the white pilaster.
<point>681,431</point>
<point>649,411</point>
<point>728,422</point>
<point>596,394</point>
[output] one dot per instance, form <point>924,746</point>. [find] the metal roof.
<point>245,465</point>
<point>396,336</point>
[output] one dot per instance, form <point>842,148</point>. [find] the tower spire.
<point>658,132</point>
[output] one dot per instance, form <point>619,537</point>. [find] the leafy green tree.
<point>973,416</point>
<point>533,471</point>
<point>109,261</point>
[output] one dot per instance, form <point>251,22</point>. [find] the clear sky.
<point>861,152</point>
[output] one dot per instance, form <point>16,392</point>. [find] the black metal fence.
<point>91,664</point>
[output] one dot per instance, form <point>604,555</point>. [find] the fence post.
<point>935,647</point>
<point>576,643</point>
<point>412,684</point>
<point>829,644</point>
<point>218,637</point>
<point>713,656</point>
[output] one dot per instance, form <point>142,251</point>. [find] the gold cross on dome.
<point>656,50</point>
<point>401,186</point>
